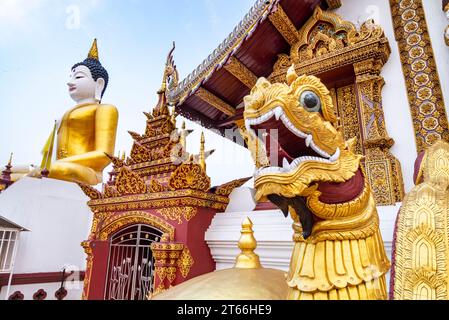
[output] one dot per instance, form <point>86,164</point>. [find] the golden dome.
<point>248,280</point>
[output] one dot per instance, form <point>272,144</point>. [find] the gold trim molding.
<point>420,72</point>
<point>284,25</point>
<point>177,213</point>
<point>118,221</point>
<point>421,246</point>
<point>333,4</point>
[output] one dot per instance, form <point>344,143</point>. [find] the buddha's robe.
<point>86,134</point>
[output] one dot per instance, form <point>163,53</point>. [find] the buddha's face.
<point>82,86</point>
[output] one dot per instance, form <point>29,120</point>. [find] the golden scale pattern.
<point>149,180</point>
<point>327,42</point>
<point>420,72</point>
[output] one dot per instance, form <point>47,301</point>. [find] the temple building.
<point>150,219</point>
<point>384,63</point>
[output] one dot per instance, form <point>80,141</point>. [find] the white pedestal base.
<point>273,233</point>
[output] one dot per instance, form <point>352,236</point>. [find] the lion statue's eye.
<point>310,101</point>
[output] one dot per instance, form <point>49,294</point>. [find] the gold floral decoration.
<point>110,192</point>
<point>129,182</point>
<point>190,176</point>
<point>155,186</point>
<point>176,213</point>
<point>139,153</point>
<point>185,262</point>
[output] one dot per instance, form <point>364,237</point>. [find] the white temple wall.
<point>436,24</point>
<point>398,118</point>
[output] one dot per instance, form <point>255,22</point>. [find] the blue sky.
<point>41,39</point>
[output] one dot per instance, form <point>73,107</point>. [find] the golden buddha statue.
<point>86,133</point>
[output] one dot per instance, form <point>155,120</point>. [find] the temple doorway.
<point>131,263</point>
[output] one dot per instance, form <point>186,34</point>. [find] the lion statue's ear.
<point>291,74</point>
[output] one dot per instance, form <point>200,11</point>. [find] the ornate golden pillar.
<point>166,255</point>
<point>382,168</point>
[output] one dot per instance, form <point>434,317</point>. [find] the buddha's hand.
<point>35,172</point>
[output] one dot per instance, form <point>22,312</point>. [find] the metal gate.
<point>131,263</point>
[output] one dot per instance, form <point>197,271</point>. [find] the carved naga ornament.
<point>307,169</point>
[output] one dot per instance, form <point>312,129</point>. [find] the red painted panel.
<point>227,87</point>
<point>197,227</point>
<point>299,11</point>
<point>202,107</point>
<point>260,52</point>
<point>100,251</point>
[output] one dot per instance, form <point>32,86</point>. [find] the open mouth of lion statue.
<point>291,146</point>
<point>293,136</point>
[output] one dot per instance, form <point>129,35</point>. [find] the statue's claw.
<point>281,202</point>
<point>300,207</point>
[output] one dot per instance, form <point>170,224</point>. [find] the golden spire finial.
<point>202,155</point>
<point>203,140</point>
<point>93,53</point>
<point>123,155</point>
<point>10,159</point>
<point>247,259</point>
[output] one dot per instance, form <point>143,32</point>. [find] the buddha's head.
<point>88,79</point>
